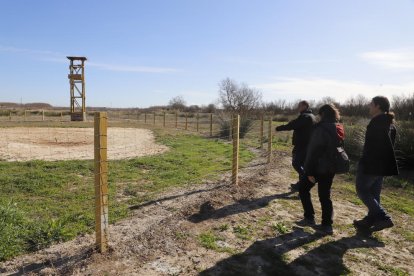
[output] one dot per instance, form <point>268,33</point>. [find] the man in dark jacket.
<point>302,129</point>
<point>378,160</point>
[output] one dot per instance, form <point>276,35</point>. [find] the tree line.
<point>234,97</point>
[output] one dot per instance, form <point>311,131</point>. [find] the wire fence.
<point>59,182</point>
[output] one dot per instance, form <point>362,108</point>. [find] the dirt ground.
<point>26,143</point>
<point>254,229</point>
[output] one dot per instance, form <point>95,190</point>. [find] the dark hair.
<point>384,105</point>
<point>305,103</point>
<point>329,112</point>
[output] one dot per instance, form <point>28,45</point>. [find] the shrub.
<point>246,125</point>
<point>354,140</point>
<point>43,235</point>
<point>404,146</point>
<point>12,229</point>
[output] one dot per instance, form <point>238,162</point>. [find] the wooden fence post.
<point>154,119</point>
<point>176,119</point>
<point>145,118</point>
<point>43,114</point>
<point>269,142</point>
<point>25,115</point>
<point>231,129</point>
<point>211,124</point>
<point>10,116</point>
<point>61,115</point>
<point>261,131</point>
<point>101,181</point>
<point>163,120</point>
<point>197,118</point>
<point>235,166</point>
<point>186,121</point>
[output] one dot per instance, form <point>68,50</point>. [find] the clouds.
<point>32,52</point>
<point>51,56</point>
<point>402,59</point>
<point>317,88</point>
<point>134,69</point>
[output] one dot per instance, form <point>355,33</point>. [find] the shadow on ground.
<point>207,210</point>
<point>267,257</point>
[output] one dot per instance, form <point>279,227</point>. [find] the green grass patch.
<point>280,228</point>
<point>242,232</point>
<point>44,202</point>
<point>211,241</point>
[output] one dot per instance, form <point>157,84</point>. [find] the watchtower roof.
<point>77,58</point>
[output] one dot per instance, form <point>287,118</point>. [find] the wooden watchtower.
<point>77,88</point>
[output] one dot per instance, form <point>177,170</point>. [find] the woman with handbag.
<point>320,168</point>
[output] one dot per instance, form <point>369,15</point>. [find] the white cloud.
<point>28,51</point>
<point>61,58</point>
<point>317,88</point>
<point>128,68</point>
<point>255,62</point>
<point>391,59</point>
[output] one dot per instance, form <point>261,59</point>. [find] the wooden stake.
<point>211,124</point>
<point>154,119</point>
<point>176,119</point>
<point>163,122</point>
<point>261,131</point>
<point>145,118</point>
<point>235,167</point>
<point>101,181</point>
<point>43,114</point>
<point>197,118</point>
<point>269,142</point>
<point>186,121</point>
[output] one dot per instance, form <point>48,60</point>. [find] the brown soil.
<point>255,229</point>
<point>26,143</point>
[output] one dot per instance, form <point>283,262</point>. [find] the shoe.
<point>325,229</point>
<point>294,187</point>
<point>382,224</point>
<point>364,223</point>
<point>306,222</point>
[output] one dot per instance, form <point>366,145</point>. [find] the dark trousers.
<point>324,193</point>
<point>298,160</point>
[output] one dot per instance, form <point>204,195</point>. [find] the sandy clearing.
<point>51,144</point>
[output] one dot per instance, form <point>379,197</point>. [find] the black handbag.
<point>340,160</point>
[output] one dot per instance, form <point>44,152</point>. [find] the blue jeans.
<point>368,188</point>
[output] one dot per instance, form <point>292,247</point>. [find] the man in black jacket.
<point>302,129</point>
<point>378,160</point>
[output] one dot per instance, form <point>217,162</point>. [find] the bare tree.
<point>328,100</point>
<point>403,106</point>
<point>177,103</point>
<point>236,98</point>
<point>356,106</point>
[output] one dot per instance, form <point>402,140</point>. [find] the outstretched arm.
<point>293,125</point>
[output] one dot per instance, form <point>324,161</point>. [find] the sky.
<point>143,53</point>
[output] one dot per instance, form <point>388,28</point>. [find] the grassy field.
<point>45,202</point>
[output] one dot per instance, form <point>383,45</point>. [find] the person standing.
<point>378,160</point>
<point>302,128</point>
<point>319,166</point>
